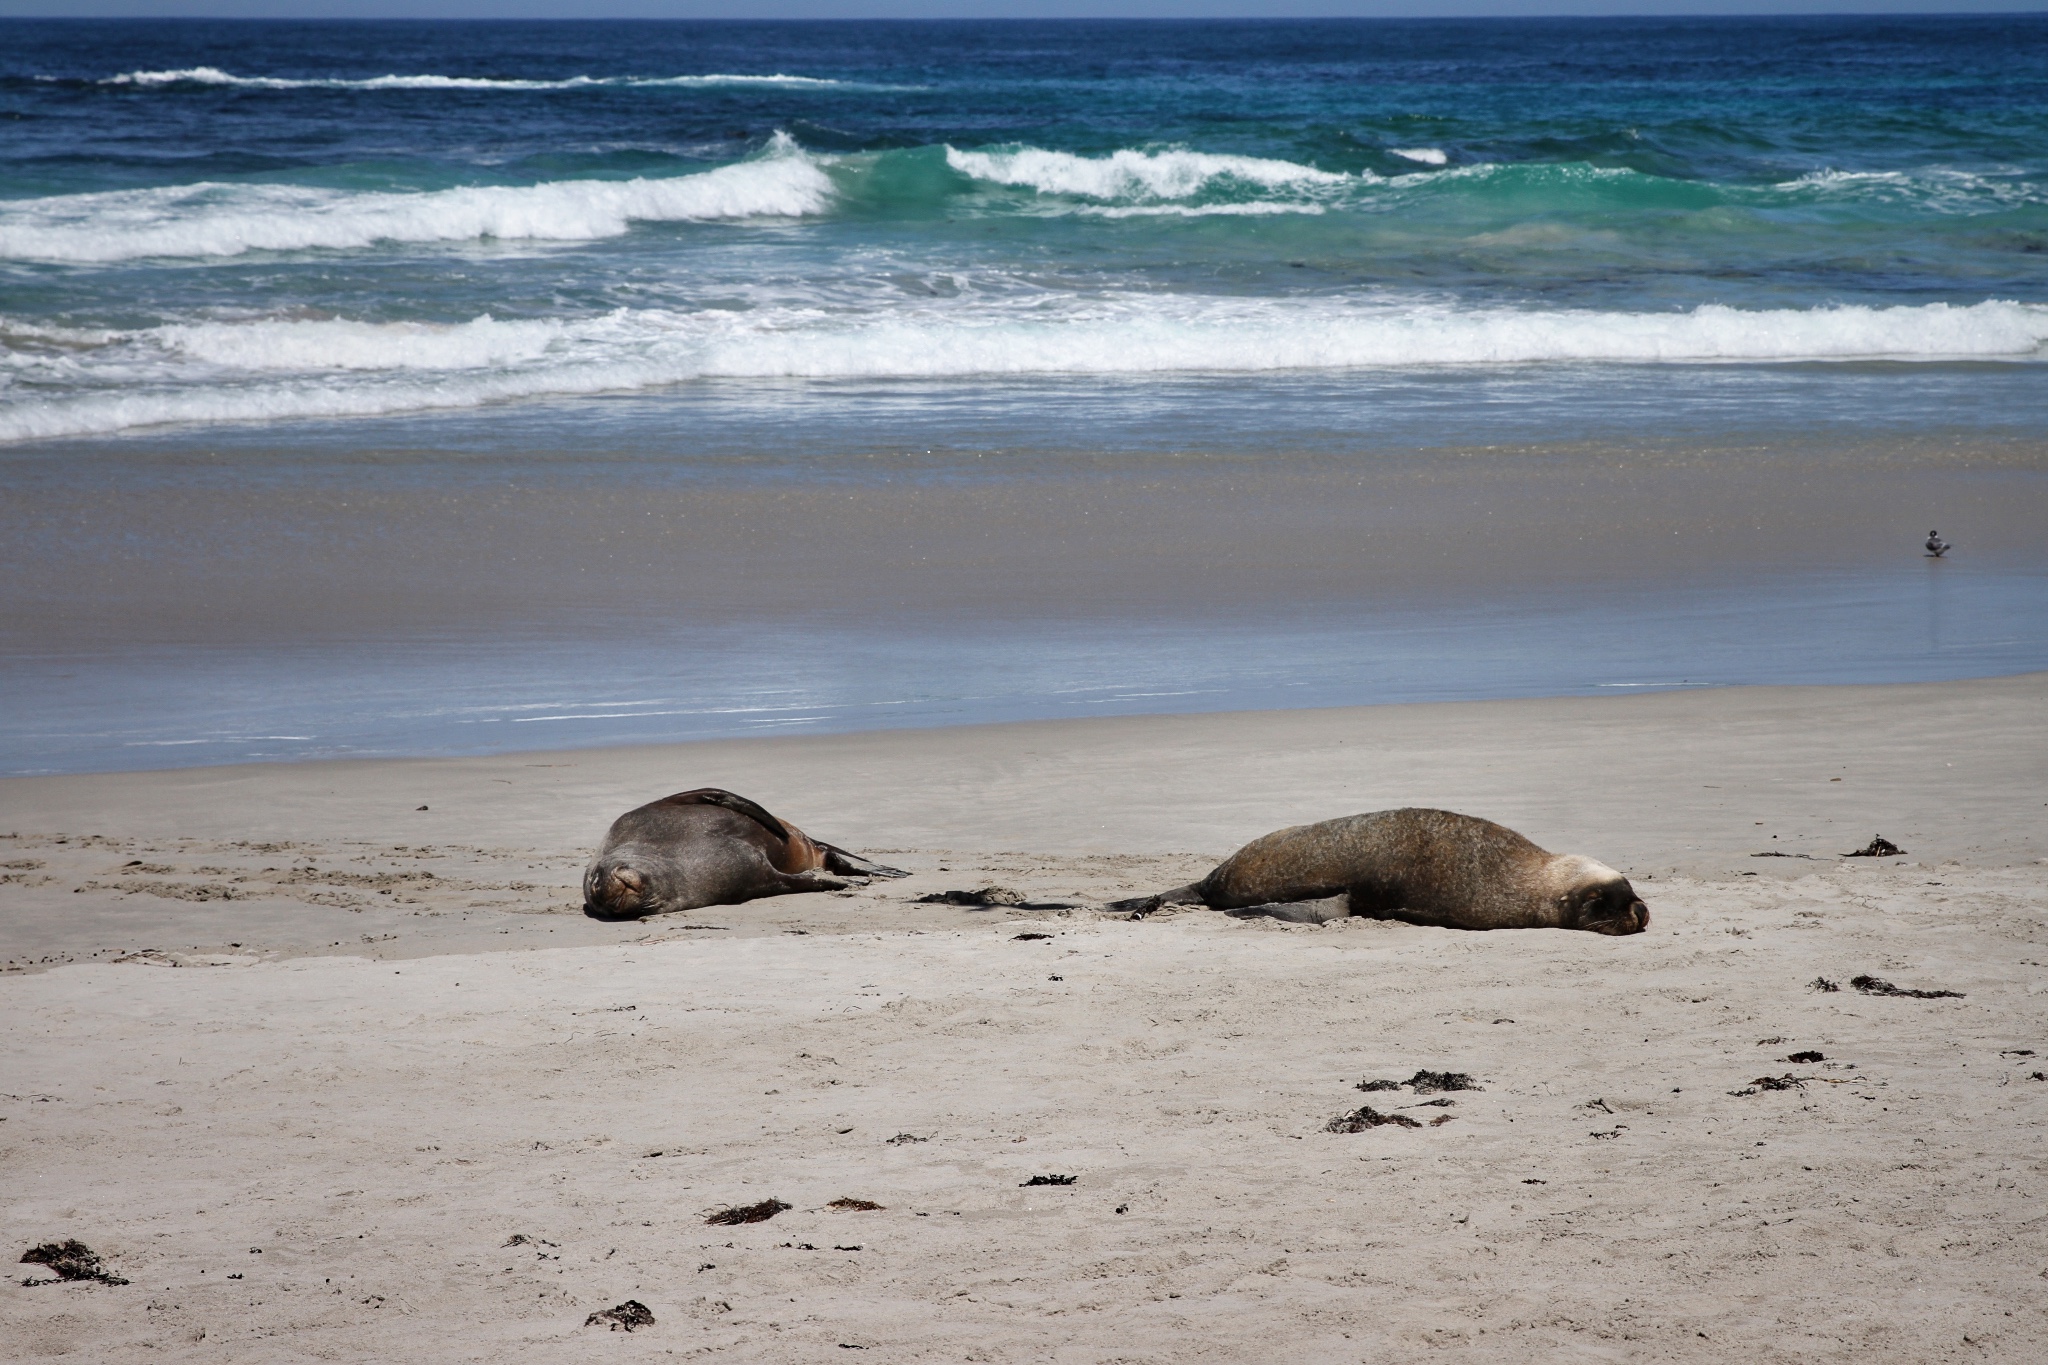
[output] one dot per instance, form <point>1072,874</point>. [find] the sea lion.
<point>1422,866</point>
<point>709,847</point>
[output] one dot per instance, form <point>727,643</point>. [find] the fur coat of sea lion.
<point>710,847</point>
<point>1423,866</point>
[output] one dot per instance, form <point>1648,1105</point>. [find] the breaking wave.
<point>277,369</point>
<point>1140,175</point>
<point>213,75</point>
<point>228,219</point>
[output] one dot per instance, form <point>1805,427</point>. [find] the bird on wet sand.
<point>1936,546</point>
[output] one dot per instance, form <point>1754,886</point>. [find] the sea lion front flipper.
<point>853,865</point>
<point>732,801</point>
<point>1300,912</point>
<point>795,883</point>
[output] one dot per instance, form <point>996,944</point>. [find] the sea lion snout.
<point>1632,920</point>
<point>1617,912</point>
<point>614,891</point>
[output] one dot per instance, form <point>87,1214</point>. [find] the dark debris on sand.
<point>1049,1180</point>
<point>1878,847</point>
<point>1823,985</point>
<point>1807,1057</point>
<point>1785,1082</point>
<point>622,1317</point>
<point>901,1138</point>
<point>1026,938</point>
<point>850,1205</point>
<point>1364,1117</point>
<point>1426,1083</point>
<point>1872,985</point>
<point>990,897</point>
<point>746,1213</point>
<point>71,1260</point>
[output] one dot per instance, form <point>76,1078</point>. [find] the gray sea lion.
<point>709,847</point>
<point>1422,866</point>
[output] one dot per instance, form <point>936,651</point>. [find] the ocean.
<point>373,388</point>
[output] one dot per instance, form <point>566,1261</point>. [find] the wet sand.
<point>382,1078</point>
<point>174,603</point>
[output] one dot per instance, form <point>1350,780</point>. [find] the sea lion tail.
<point>847,864</point>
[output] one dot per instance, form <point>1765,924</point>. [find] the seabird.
<point>1936,546</point>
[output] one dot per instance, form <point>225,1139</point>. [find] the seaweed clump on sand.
<point>850,1205</point>
<point>71,1260</point>
<point>1878,847</point>
<point>1049,1180</point>
<point>990,898</point>
<point>1872,985</point>
<point>1426,1083</point>
<point>1364,1117</point>
<point>622,1317</point>
<point>985,897</point>
<point>746,1213</point>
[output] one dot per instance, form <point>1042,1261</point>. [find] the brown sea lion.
<point>709,847</point>
<point>1422,866</point>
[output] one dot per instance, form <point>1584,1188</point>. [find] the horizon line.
<point>1590,14</point>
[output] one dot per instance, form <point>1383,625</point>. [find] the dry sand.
<point>313,1121</point>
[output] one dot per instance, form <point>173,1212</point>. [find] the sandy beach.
<point>324,1060</point>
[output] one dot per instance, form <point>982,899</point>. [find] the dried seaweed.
<point>1425,1083</point>
<point>1364,1117</point>
<point>1878,847</point>
<point>622,1317</point>
<point>1871,985</point>
<point>71,1260</point>
<point>988,895</point>
<point>1429,1082</point>
<point>1049,1180</point>
<point>746,1213</point>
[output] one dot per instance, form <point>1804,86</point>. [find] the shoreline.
<point>1692,783</point>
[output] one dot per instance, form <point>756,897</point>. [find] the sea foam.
<point>211,219</point>
<point>1130,174</point>
<point>213,75</point>
<point>209,371</point>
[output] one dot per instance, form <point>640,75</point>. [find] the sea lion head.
<point>1598,899</point>
<point>623,884</point>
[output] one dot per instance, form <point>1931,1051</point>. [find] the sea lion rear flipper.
<point>853,865</point>
<point>1191,894</point>
<point>1300,912</point>
<point>718,796</point>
